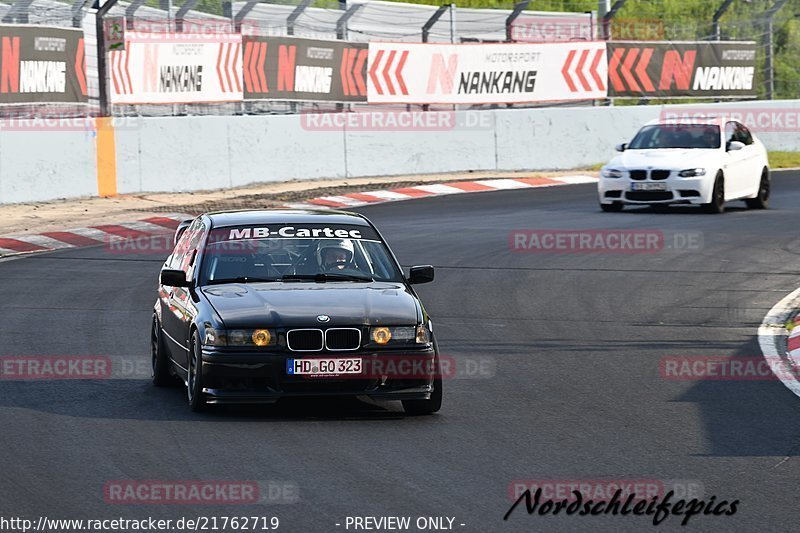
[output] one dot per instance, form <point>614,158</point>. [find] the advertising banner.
<point>288,68</point>
<point>176,68</point>
<point>42,64</point>
<point>420,73</point>
<point>670,69</point>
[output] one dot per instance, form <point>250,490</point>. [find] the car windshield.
<point>296,254</point>
<point>676,136</point>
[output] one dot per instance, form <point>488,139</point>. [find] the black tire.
<point>432,405</point>
<point>615,207</point>
<point>194,378</point>
<point>717,204</point>
<point>159,360</point>
<point>762,200</point>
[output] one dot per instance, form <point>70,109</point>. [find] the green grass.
<point>784,160</point>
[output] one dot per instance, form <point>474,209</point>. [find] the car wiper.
<point>241,279</point>
<point>324,276</point>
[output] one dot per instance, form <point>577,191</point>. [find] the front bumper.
<point>677,190</point>
<point>247,377</point>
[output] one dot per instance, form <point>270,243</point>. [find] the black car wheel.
<point>762,200</point>
<point>717,203</point>
<point>432,405</point>
<point>160,362</point>
<point>194,380</point>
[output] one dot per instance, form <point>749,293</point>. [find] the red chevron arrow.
<point>613,75</point>
<point>598,56</point>
<point>261,58</point>
<point>641,70</point>
<point>565,71</point>
<point>80,66</point>
<point>359,77</point>
<point>234,70</point>
<point>386,68</point>
<point>373,72</point>
<point>345,73</point>
<point>398,72</point>
<point>579,71</point>
<point>248,80</point>
<point>627,64</point>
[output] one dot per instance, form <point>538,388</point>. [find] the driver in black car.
<point>333,255</point>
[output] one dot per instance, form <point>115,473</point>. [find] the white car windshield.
<point>676,136</point>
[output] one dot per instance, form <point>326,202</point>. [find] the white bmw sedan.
<point>703,161</point>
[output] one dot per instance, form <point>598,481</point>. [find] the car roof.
<point>250,217</point>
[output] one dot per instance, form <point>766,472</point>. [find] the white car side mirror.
<point>621,147</point>
<point>735,145</point>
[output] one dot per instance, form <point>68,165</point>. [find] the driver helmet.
<point>335,254</point>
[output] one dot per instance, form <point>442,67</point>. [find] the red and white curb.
<point>165,224</point>
<point>779,338</point>
<point>358,199</point>
<point>89,236</point>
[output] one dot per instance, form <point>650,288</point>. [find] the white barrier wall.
<point>195,153</point>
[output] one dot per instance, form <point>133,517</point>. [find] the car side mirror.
<point>173,278</point>
<point>180,229</point>
<point>735,145</point>
<point>420,274</point>
<point>621,147</point>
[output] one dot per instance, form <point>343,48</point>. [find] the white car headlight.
<point>692,172</point>
<point>612,173</point>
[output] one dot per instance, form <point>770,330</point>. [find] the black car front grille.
<point>659,174</point>
<point>648,196</point>
<point>343,339</point>
<point>305,340</point>
<point>638,174</point>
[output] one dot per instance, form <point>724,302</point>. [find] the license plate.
<point>323,367</point>
<point>648,186</point>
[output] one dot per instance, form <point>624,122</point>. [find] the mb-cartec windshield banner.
<point>42,64</point>
<point>420,73</point>
<point>294,231</point>
<point>170,68</point>
<point>715,69</point>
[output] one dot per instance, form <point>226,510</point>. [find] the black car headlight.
<point>612,173</point>
<point>240,337</point>
<point>399,335</point>
<point>692,172</point>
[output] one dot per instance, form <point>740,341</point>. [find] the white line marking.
<point>439,188</point>
<point>505,183</point>
<point>772,334</point>
<point>43,241</point>
<point>351,202</point>
<point>574,180</point>
<point>305,206</point>
<point>388,195</point>
<point>147,227</point>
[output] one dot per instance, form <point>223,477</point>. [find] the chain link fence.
<point>772,24</point>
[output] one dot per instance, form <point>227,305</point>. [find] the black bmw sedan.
<point>258,305</point>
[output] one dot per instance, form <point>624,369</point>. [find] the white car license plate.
<point>648,186</point>
<point>323,367</point>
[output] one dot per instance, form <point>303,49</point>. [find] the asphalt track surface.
<point>577,393</point>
